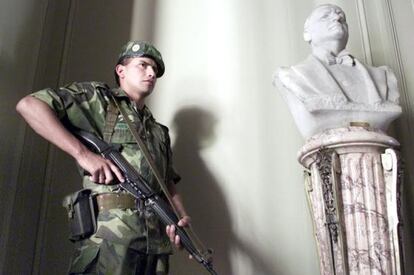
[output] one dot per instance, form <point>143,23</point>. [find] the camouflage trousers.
<point>115,259</point>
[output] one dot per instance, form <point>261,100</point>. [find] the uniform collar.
<point>144,113</point>
<point>118,92</point>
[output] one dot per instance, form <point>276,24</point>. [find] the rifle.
<point>137,186</point>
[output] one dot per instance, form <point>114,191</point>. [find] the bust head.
<point>326,24</point>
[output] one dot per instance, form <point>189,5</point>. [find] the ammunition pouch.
<point>82,214</point>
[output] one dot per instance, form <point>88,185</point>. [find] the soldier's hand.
<point>175,239</point>
<point>101,170</point>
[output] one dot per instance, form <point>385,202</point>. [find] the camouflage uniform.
<point>124,236</point>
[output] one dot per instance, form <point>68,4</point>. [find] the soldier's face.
<point>328,23</point>
<point>138,75</point>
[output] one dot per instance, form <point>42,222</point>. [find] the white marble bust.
<point>331,88</point>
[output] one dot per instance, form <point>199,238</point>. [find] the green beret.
<point>144,49</point>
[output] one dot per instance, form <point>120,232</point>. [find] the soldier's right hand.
<point>101,170</point>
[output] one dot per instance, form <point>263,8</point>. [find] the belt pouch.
<point>82,210</point>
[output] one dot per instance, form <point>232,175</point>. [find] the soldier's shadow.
<point>204,199</point>
<point>201,193</point>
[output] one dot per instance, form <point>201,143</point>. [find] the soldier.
<point>127,240</point>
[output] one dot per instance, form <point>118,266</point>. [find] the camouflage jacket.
<point>85,105</point>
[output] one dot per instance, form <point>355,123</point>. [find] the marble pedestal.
<point>352,179</point>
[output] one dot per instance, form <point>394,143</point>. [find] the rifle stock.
<point>136,185</point>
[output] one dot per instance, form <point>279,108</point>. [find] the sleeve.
<point>51,98</point>
<point>81,104</point>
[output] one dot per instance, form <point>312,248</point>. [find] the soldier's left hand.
<point>175,239</point>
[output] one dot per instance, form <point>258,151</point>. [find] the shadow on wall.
<point>204,199</point>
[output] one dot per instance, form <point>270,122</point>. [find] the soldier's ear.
<point>119,69</point>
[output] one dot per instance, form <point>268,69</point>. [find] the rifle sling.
<point>110,121</point>
<point>146,155</point>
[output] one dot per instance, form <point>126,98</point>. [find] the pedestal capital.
<point>346,139</point>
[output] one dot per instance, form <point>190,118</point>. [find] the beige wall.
<point>234,140</point>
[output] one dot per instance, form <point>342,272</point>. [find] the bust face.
<point>326,23</point>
